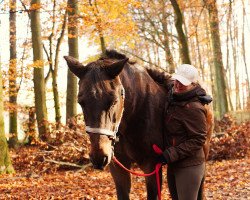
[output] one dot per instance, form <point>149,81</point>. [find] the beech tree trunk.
<point>234,37</point>
<point>221,96</point>
<point>39,83</point>
<point>98,24</point>
<point>13,141</point>
<point>168,53</point>
<point>5,161</point>
<point>228,78</point>
<point>244,54</point>
<point>184,51</point>
<point>71,99</point>
<point>53,62</point>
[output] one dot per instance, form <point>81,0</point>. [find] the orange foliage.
<point>35,6</point>
<point>112,19</point>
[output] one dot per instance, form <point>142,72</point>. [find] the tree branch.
<point>142,59</point>
<point>69,164</point>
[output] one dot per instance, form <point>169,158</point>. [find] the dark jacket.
<point>185,129</point>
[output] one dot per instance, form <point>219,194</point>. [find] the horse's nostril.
<point>99,163</point>
<point>90,159</point>
<point>105,160</point>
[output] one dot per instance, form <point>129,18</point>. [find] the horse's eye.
<point>112,103</point>
<point>122,92</point>
<point>115,102</point>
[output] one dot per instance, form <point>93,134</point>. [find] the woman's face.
<point>179,87</point>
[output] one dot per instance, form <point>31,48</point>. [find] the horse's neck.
<point>132,83</point>
<point>144,107</point>
<point>138,87</point>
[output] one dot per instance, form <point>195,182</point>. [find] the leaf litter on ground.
<point>228,171</point>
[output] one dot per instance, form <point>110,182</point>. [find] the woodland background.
<point>46,142</point>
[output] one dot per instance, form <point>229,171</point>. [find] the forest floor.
<point>226,179</point>
<point>43,171</point>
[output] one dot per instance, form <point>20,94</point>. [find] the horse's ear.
<point>75,66</point>
<point>115,69</point>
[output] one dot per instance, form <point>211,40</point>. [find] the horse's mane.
<point>113,54</point>
<point>160,77</point>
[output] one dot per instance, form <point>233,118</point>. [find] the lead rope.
<point>156,171</point>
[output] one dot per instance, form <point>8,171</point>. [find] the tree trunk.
<point>102,41</point>
<point>197,46</point>
<point>234,38</point>
<point>244,52</point>
<point>39,83</point>
<point>221,97</point>
<point>71,101</point>
<point>55,69</point>
<point>168,54</point>
<point>181,36</point>
<point>148,52</point>
<point>31,126</point>
<point>13,141</point>
<point>5,161</point>
<point>98,25</point>
<point>210,62</point>
<point>53,62</point>
<point>228,70</point>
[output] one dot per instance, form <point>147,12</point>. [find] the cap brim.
<point>182,79</point>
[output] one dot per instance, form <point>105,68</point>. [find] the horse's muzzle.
<point>99,163</point>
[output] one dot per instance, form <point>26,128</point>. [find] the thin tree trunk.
<point>31,126</point>
<point>148,52</point>
<point>98,25</point>
<point>211,67</point>
<point>221,97</point>
<point>55,72</point>
<point>168,54</point>
<point>228,70</point>
<point>71,99</point>
<point>233,39</point>
<point>5,161</point>
<point>197,45</point>
<point>13,141</point>
<point>199,56</point>
<point>184,51</point>
<point>156,54</point>
<point>244,52</point>
<point>39,83</point>
<point>53,62</point>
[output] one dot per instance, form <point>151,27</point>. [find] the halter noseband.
<point>101,131</point>
<point>107,132</point>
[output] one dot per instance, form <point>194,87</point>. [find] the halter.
<point>107,132</point>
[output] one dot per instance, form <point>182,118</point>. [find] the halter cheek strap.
<point>103,131</point>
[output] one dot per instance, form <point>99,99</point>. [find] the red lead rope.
<point>156,171</point>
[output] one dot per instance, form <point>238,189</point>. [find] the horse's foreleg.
<point>122,180</point>
<point>151,184</point>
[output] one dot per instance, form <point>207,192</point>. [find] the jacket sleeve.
<point>194,123</point>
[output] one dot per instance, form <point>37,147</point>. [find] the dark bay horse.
<point>119,97</point>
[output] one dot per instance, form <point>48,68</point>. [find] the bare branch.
<point>142,59</point>
<point>69,164</point>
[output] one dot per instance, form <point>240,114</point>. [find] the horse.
<point>121,101</point>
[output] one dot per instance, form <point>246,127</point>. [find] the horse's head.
<point>101,96</point>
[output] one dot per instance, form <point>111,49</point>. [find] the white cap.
<point>186,74</point>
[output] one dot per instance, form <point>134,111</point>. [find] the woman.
<point>185,129</point>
